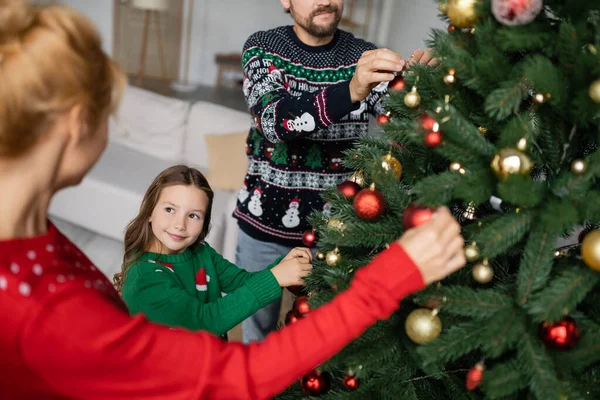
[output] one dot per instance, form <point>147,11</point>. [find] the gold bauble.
<point>389,163</point>
<point>443,7</point>
<point>412,99</point>
<point>510,162</point>
<point>483,130</point>
<point>462,13</point>
<point>332,258</point>
<point>578,166</point>
<point>590,250</point>
<point>423,325</point>
<point>539,98</point>
<point>358,178</point>
<point>472,252</point>
<point>336,224</point>
<point>320,256</point>
<point>455,166</point>
<point>449,78</point>
<point>482,272</point>
<point>595,91</point>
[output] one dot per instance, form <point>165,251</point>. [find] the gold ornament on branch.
<point>389,163</point>
<point>522,144</point>
<point>336,225</point>
<point>333,257</point>
<point>443,7</point>
<point>539,98</point>
<point>483,130</point>
<point>412,99</point>
<point>594,91</point>
<point>469,213</point>
<point>578,167</point>
<point>358,178</point>
<point>320,256</point>
<point>423,325</point>
<point>590,250</point>
<point>472,252</point>
<point>511,162</point>
<point>483,272</point>
<point>450,78</point>
<point>462,13</point>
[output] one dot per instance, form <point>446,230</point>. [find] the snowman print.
<point>304,123</point>
<point>291,219</point>
<point>254,206</point>
<point>243,194</point>
<point>327,209</point>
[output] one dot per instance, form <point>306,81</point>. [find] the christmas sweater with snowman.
<point>303,119</point>
<point>184,290</point>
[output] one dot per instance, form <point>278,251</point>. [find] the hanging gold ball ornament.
<point>320,256</point>
<point>423,325</point>
<point>511,162</point>
<point>358,178</point>
<point>472,252</point>
<point>389,163</point>
<point>443,7</point>
<point>462,13</point>
<point>336,225</point>
<point>412,99</point>
<point>333,257</point>
<point>483,130</point>
<point>595,91</point>
<point>578,167</point>
<point>590,250</point>
<point>483,272</point>
<point>449,78</point>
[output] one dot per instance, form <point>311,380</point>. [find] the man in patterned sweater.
<point>310,89</point>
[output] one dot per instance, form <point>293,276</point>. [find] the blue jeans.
<point>255,255</point>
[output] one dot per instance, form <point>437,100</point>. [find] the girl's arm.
<point>85,347</point>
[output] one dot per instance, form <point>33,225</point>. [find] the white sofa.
<point>149,133</point>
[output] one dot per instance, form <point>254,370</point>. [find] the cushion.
<point>151,124</point>
<point>210,119</point>
<point>228,162</point>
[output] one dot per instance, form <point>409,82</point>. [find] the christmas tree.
<point>504,131</point>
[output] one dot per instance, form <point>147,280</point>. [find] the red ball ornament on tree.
<point>415,215</point>
<point>427,122</point>
<point>451,28</point>
<point>296,290</point>
<point>433,139</point>
<point>315,383</point>
<point>301,307</point>
<point>562,335</point>
<point>516,12</point>
<point>398,83</point>
<point>383,119</point>
<point>474,376</point>
<point>351,383</point>
<point>349,188</point>
<point>309,238</point>
<point>290,318</point>
<point>369,204</point>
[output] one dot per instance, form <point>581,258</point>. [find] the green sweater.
<point>184,290</point>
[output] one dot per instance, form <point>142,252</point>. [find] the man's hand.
<point>374,67</point>
<point>422,57</point>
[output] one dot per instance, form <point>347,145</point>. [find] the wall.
<point>101,13</point>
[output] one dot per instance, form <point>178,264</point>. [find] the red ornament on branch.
<point>427,122</point>
<point>398,83</point>
<point>474,376</point>
<point>415,215</point>
<point>349,188</point>
<point>433,139</point>
<point>351,383</point>
<point>301,307</point>
<point>516,12</point>
<point>562,335</point>
<point>290,318</point>
<point>309,238</point>
<point>383,119</point>
<point>369,204</point>
<point>315,383</point>
<point>296,290</point>
<point>451,28</point>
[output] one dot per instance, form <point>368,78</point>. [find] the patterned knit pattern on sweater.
<point>302,121</point>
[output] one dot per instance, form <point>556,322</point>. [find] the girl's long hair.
<point>138,235</point>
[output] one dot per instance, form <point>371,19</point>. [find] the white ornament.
<point>516,12</point>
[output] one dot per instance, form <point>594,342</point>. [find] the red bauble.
<point>433,139</point>
<point>516,12</point>
<point>349,188</point>
<point>416,215</point>
<point>451,28</point>
<point>398,83</point>
<point>562,335</point>
<point>290,318</point>
<point>369,204</point>
<point>427,122</point>
<point>474,376</point>
<point>296,290</point>
<point>351,383</point>
<point>301,307</point>
<point>309,238</point>
<point>383,119</point>
<point>315,383</point>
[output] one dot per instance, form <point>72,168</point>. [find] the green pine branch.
<point>503,379</point>
<point>521,191</point>
<point>506,100</point>
<point>467,302</point>
<point>538,367</point>
<point>503,233</point>
<point>536,264</point>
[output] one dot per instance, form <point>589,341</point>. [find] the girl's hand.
<point>291,271</point>
<point>298,252</point>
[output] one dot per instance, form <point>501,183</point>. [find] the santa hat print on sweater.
<point>202,280</point>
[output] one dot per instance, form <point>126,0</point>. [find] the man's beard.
<point>318,30</point>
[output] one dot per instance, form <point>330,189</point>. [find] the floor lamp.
<point>184,85</point>
<point>152,8</point>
